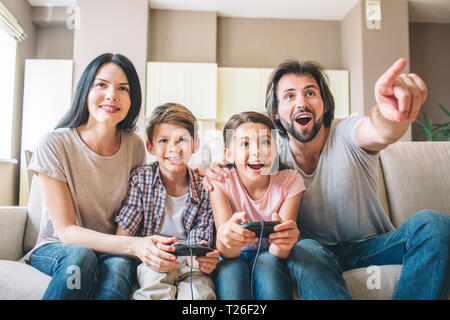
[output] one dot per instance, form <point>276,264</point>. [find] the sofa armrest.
<point>12,228</point>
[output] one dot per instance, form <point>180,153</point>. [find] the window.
<point>7,80</point>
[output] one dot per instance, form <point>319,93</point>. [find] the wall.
<point>182,36</point>
<point>368,52</point>
<point>113,26</point>
<point>352,56</point>
<point>430,52</point>
<point>54,42</point>
<point>264,43</point>
<point>382,47</point>
<point>26,49</point>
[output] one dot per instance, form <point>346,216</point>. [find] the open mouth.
<point>303,120</point>
<point>255,165</point>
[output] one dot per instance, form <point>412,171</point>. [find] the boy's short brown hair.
<point>172,113</point>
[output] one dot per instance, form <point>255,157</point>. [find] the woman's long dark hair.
<point>78,113</point>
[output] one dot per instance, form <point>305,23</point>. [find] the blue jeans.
<point>421,244</point>
<point>271,279</point>
<point>79,273</point>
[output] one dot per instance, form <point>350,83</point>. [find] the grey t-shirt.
<point>341,202</point>
<point>97,184</point>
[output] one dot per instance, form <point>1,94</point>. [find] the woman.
<point>83,168</point>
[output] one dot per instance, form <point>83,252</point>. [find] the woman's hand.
<point>232,235</point>
<point>284,238</point>
<point>154,252</point>
<point>217,171</point>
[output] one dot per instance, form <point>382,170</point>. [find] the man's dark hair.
<point>78,113</point>
<point>291,66</point>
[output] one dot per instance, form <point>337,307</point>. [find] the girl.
<point>253,193</point>
<point>83,167</point>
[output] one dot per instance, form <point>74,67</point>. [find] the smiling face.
<point>252,150</point>
<point>109,99</point>
<point>173,146</point>
<point>300,106</point>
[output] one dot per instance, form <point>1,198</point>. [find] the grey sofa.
<point>413,176</point>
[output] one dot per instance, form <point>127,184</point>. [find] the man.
<point>341,221</point>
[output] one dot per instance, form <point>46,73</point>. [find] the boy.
<point>166,202</point>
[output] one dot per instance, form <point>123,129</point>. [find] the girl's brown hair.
<point>244,117</point>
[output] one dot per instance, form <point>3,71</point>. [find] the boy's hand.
<point>285,236</point>
<point>154,252</point>
<point>233,235</point>
<point>216,171</point>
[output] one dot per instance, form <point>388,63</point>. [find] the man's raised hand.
<point>400,96</point>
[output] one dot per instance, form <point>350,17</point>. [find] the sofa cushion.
<point>12,226</point>
<point>416,177</point>
<point>20,281</point>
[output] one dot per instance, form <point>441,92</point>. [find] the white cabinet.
<point>240,89</point>
<point>47,96</point>
<point>339,87</point>
<point>244,89</point>
<point>193,85</point>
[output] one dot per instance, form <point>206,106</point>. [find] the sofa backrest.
<point>416,175</point>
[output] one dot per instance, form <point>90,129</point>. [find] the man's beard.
<point>303,135</point>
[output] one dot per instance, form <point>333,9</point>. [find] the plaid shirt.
<point>142,211</point>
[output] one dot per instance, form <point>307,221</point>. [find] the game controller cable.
<point>256,258</point>
<point>190,275</point>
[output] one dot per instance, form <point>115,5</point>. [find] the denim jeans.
<point>79,273</point>
<point>421,244</point>
<point>271,279</point>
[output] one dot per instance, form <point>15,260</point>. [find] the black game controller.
<point>194,250</point>
<point>267,227</point>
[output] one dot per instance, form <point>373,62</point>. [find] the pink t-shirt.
<point>283,185</point>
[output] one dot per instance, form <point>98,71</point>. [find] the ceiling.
<point>437,11</point>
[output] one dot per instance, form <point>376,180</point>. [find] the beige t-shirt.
<point>97,184</point>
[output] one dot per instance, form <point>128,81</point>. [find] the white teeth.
<point>255,163</point>
<point>110,108</point>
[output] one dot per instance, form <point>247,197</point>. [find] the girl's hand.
<point>284,238</point>
<point>232,235</point>
<point>154,252</point>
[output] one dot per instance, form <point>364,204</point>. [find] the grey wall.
<point>182,36</point>
<point>430,58</point>
<point>113,26</point>
<point>367,53</point>
<point>54,42</point>
<point>266,42</point>
<point>352,56</point>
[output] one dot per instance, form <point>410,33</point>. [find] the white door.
<point>47,97</point>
